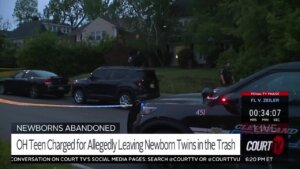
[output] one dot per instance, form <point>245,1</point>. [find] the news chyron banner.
<point>265,126</point>
<point>103,143</point>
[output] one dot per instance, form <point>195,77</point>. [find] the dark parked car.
<point>35,83</point>
<point>220,112</point>
<point>121,84</point>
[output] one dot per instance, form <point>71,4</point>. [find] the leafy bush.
<point>7,53</point>
<point>227,56</point>
<point>46,51</point>
<point>118,55</point>
<point>40,52</point>
<point>7,59</point>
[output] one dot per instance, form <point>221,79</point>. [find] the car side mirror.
<point>207,92</point>
<point>92,77</point>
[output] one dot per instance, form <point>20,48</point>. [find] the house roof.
<point>120,25</point>
<point>54,23</point>
<point>80,29</point>
<point>26,30</point>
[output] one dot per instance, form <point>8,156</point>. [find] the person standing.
<point>226,75</point>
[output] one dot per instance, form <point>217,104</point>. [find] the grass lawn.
<point>176,80</point>
<point>10,69</point>
<point>6,72</point>
<point>6,164</point>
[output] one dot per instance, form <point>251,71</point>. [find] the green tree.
<point>152,19</point>
<point>4,24</point>
<point>1,42</point>
<point>258,33</point>
<point>25,10</point>
<point>65,12</point>
<point>96,8</point>
<point>7,49</point>
<point>116,9</point>
<point>269,33</point>
<point>76,12</point>
<point>213,28</point>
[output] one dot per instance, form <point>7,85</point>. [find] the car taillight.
<point>47,82</point>
<point>218,99</point>
<point>224,100</point>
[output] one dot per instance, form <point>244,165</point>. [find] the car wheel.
<point>125,99</point>
<point>79,96</point>
<point>33,92</point>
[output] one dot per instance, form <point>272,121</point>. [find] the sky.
<point>7,9</point>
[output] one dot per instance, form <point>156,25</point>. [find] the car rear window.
<point>19,74</point>
<point>41,73</point>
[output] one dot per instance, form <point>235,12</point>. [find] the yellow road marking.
<point>16,103</point>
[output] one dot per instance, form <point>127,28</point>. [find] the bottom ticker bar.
<point>124,159</point>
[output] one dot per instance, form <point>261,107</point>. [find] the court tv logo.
<point>275,146</point>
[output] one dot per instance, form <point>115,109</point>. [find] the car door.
<point>291,83</point>
<point>114,81</point>
<point>28,81</point>
<point>13,84</point>
<point>96,87</point>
